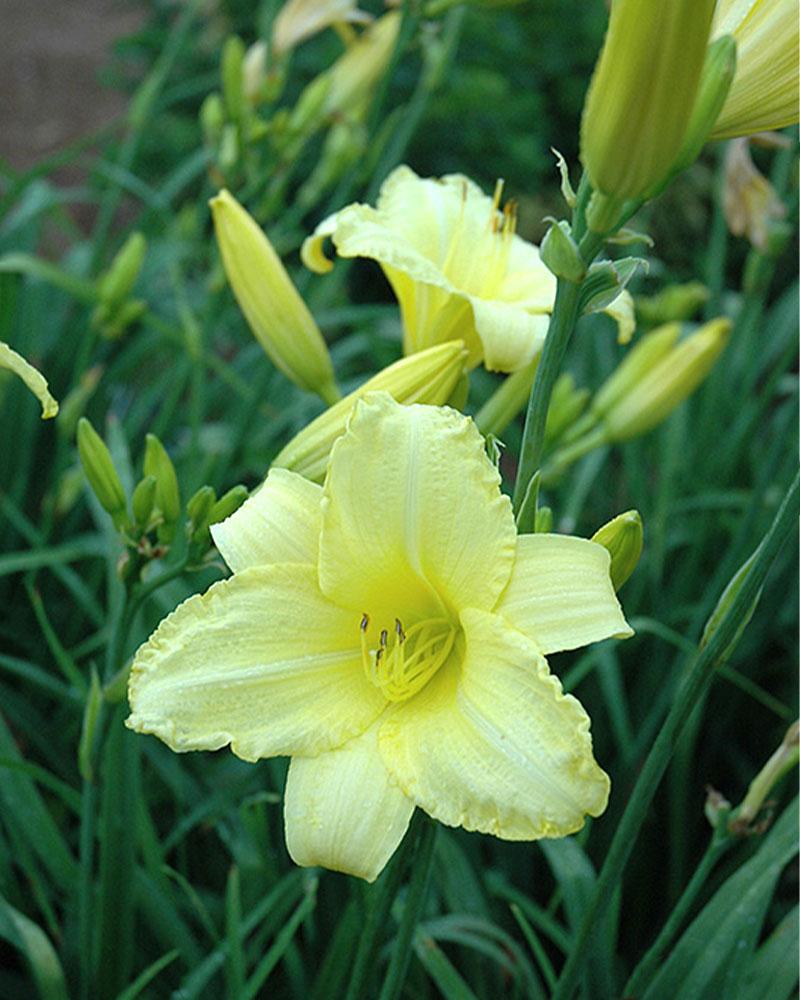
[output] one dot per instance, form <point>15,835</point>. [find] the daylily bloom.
<point>764,93</point>
<point>388,631</point>
<point>31,376</point>
<point>298,20</point>
<point>455,263</point>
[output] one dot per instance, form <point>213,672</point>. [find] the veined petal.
<point>278,524</point>
<point>497,747</point>
<point>262,661</point>
<point>510,336</point>
<point>413,512</point>
<point>342,811</point>
<point>560,593</point>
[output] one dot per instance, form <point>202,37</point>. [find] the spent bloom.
<point>298,20</point>
<point>388,631</point>
<point>455,264</point>
<point>32,377</point>
<point>764,93</point>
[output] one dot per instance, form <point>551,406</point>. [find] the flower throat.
<point>404,661</point>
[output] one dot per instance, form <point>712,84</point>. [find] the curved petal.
<point>511,337</point>
<point>560,593</point>
<point>497,748</point>
<point>312,252</point>
<point>527,282</point>
<point>342,811</point>
<point>262,661</point>
<point>278,524</point>
<point>31,376</point>
<point>622,311</point>
<point>413,512</point>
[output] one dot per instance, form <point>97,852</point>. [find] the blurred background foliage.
<point>129,859</point>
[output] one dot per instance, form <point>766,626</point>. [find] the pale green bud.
<point>212,119</point>
<point>275,312</point>
<point>73,406</point>
<point>623,536</point>
<point>666,384</point>
<point>310,108</point>
<point>428,376</point>
<point>232,72</point>
<point>640,360</point>
<point>116,284</point>
<point>567,402</point>
<point>673,302</point>
<point>507,400</point>
<point>158,464</point>
<point>228,503</point>
<point>101,474</point>
<point>543,522</point>
<point>254,72</point>
<point>560,253</point>
<point>143,500</point>
<point>199,506</point>
<point>354,75</point>
<point>642,95</point>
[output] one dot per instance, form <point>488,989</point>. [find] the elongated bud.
<point>428,376</point>
<point>232,72</point>
<point>765,93</point>
<point>143,500</point>
<point>784,759</point>
<point>566,405</point>
<point>228,503</point>
<point>254,72</point>
<point>623,536</point>
<point>560,253</point>
<point>642,94</point>
<point>77,399</point>
<point>199,506</point>
<point>91,716</point>
<point>354,75</point>
<point>673,302</point>
<point>116,284</point>
<point>507,400</point>
<point>667,383</point>
<point>32,378</point>
<point>726,599</point>
<point>274,310</point>
<point>715,82</point>
<point>638,362</point>
<point>543,521</point>
<point>212,119</point>
<point>158,464</point>
<point>103,477</point>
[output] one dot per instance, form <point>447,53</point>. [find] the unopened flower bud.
<point>784,759</point>
<point>199,506</point>
<point>428,376</point>
<point>232,72</point>
<point>73,407</point>
<point>275,312</point>
<point>667,383</point>
<point>639,361</point>
<point>228,503</point>
<point>566,405</point>
<point>143,500</point>
<point>212,119</point>
<point>543,522</point>
<point>672,302</point>
<point>623,536</point>
<point>641,96</point>
<point>101,474</point>
<point>354,75</point>
<point>727,598</point>
<point>560,253</point>
<point>300,19</point>
<point>254,72</point>
<point>116,284</point>
<point>32,378</point>
<point>158,464</point>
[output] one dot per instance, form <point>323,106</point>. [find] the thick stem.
<point>698,678</point>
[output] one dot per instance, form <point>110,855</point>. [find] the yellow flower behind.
<point>388,631</point>
<point>455,263</point>
<point>764,93</point>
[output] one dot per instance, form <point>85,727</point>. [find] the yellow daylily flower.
<point>31,376</point>
<point>388,631</point>
<point>298,20</point>
<point>764,93</point>
<point>455,263</point>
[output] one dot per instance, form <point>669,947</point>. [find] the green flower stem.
<point>640,979</point>
<point>698,678</point>
<point>421,865</point>
<point>562,323</point>
<point>379,903</point>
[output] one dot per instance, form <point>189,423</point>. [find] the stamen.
<point>398,627</point>
<point>498,194</point>
<point>404,666</point>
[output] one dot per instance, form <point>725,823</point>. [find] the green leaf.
<point>34,944</point>
<point>441,970</point>
<point>772,975</point>
<point>722,938</point>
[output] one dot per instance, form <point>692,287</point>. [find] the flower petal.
<point>342,811</point>
<point>496,747</point>
<point>560,593</point>
<point>262,661</point>
<point>280,523</point>
<point>413,514</point>
<point>31,376</point>
<point>510,336</point>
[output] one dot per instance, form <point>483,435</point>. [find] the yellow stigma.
<point>404,661</point>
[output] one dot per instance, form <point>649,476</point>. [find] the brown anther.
<point>398,627</point>
<point>364,622</point>
<point>384,638</point>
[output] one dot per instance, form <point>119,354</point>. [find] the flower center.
<point>403,661</point>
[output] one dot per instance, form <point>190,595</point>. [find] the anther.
<point>398,627</point>
<point>364,622</point>
<point>384,638</point>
